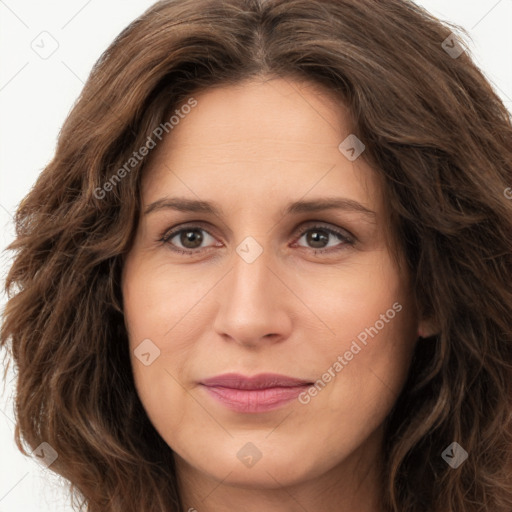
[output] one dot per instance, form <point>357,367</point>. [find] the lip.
<point>259,393</point>
<point>260,381</point>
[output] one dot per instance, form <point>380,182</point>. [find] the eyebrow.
<point>183,204</point>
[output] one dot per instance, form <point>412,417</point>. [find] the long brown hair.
<point>441,140</point>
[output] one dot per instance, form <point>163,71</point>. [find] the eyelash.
<point>167,235</point>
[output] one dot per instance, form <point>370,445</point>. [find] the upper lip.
<point>260,381</point>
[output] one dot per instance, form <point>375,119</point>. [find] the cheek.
<point>159,299</point>
<point>161,321</point>
<point>364,359</point>
<point>372,363</point>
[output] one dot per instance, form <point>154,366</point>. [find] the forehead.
<point>276,135</point>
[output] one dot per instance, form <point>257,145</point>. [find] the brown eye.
<point>187,240</point>
<point>319,237</point>
<point>191,238</point>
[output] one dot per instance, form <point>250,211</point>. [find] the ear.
<point>427,328</point>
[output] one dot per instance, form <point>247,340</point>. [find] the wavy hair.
<point>441,140</point>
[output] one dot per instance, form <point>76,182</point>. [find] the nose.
<point>255,302</point>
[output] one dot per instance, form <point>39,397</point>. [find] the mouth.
<point>259,393</point>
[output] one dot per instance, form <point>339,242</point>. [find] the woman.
<point>269,268</point>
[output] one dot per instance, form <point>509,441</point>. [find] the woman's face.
<point>305,292</point>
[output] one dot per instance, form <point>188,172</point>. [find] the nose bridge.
<point>252,297</point>
<point>251,276</point>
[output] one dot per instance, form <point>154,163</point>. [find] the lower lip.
<point>255,400</point>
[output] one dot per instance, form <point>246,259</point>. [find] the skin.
<point>252,148</point>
